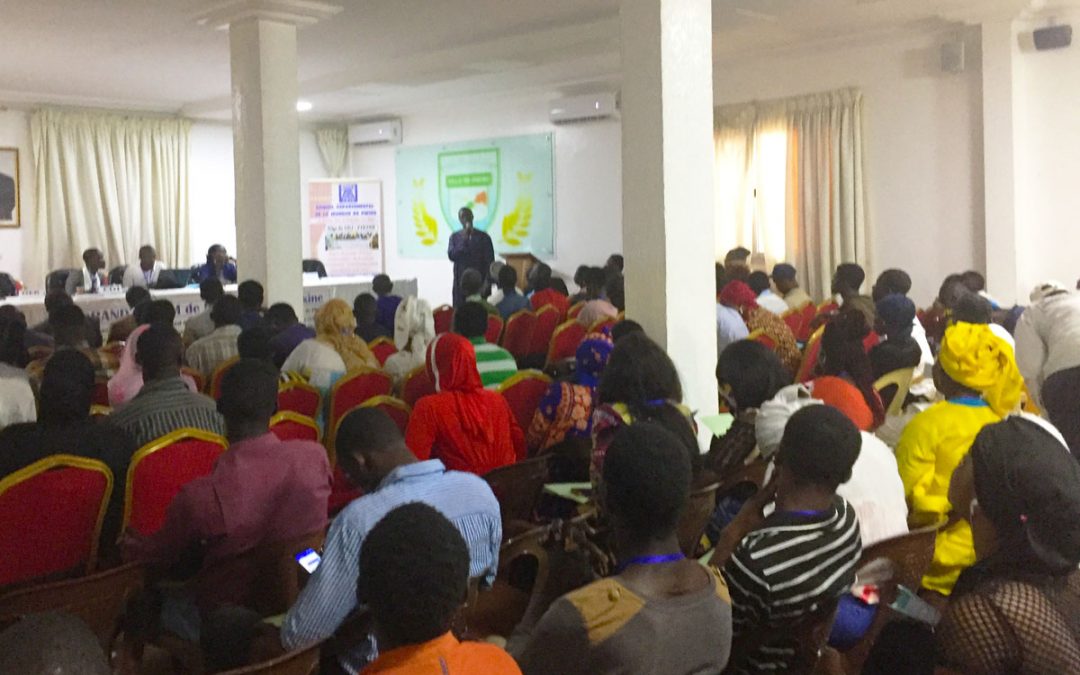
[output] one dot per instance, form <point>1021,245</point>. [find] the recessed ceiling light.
<point>303,106</point>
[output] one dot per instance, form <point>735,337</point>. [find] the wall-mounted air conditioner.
<point>375,133</point>
<point>580,108</point>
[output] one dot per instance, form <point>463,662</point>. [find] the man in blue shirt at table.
<point>469,248</point>
<point>373,454</point>
<point>217,266</point>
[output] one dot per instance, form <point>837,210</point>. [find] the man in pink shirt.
<point>262,490</point>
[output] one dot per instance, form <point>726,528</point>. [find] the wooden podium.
<point>522,263</point>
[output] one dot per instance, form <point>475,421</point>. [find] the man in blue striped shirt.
<point>373,454</point>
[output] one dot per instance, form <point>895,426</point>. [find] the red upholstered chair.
<point>604,325</point>
<point>100,395</point>
<point>351,390</point>
<point>398,410</point>
<point>444,319</point>
<point>50,518</point>
<point>494,329</point>
<point>196,376</point>
<point>575,310</point>
<point>517,338</point>
<point>565,341</point>
<point>760,336</point>
<point>795,321</point>
<point>383,348</point>
<point>809,313</point>
<point>417,385</point>
<point>160,468</point>
<point>219,374</point>
<point>299,397</point>
<point>810,357</point>
<point>523,392</point>
<point>291,426</point>
<point>547,319</point>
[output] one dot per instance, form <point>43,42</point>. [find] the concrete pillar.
<point>667,178</point>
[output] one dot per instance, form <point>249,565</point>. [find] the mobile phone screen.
<point>309,560</point>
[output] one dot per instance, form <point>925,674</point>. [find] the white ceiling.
<point>394,56</point>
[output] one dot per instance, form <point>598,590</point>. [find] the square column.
<point>667,178</point>
<point>266,155</point>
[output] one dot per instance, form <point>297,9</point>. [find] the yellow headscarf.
<point>976,358</point>
<point>335,326</point>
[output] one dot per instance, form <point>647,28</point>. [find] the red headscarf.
<point>739,295</point>
<point>451,365</point>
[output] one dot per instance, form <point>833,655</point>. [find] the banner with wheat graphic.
<point>508,183</point>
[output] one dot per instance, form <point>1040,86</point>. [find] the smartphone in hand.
<point>309,560</point>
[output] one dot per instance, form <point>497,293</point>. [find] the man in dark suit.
<point>7,197</point>
<point>470,248</point>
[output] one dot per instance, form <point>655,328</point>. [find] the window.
<point>752,192</point>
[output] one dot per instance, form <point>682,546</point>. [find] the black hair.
<point>508,277</point>
<point>471,320</point>
<point>471,282</point>
<point>254,343</point>
<point>69,325</point>
<point>615,289</point>
<point>250,293</point>
<point>67,388</point>
<point>55,299</point>
<point>594,279</point>
<point>226,311</point>
<point>540,277</point>
<point>721,276</point>
<point>973,308</point>
<point>850,275</point>
<point>624,328</point>
<point>135,295</point>
<point>146,247</point>
<point>951,289</point>
<point>415,574</point>
<point>382,285</point>
<point>647,479</point>
<point>890,282</point>
<point>615,262</point>
<point>737,254</point>
<point>365,306</point>
<point>249,391</point>
<point>974,281</point>
<point>159,347</point>
<point>281,315</point>
<point>210,252</point>
<point>88,253</point>
<point>158,311</point>
<point>758,282</point>
<point>843,353</point>
<point>366,430</point>
<point>753,371</point>
<point>559,286</point>
<point>13,342</point>
<point>820,446</point>
<point>211,290</point>
<point>579,275</point>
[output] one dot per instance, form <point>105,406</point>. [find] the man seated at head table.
<point>218,266</point>
<point>146,272</point>
<point>91,278</point>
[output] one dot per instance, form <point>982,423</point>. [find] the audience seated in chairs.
<point>286,331</point>
<point>847,379</point>
<point>372,452</point>
<point>368,328</point>
<point>414,329</point>
<point>738,296</point>
<point>512,300</point>
<point>250,293</point>
<point>207,353</point>
<point>54,300</point>
<point>898,282</point>
<point>596,306</point>
<point>201,325</point>
<point>387,304</point>
<point>120,329</point>
<point>494,363</point>
<point>783,275</point>
<point>262,490</point>
<point>64,427</point>
<point>674,615</point>
<point>472,284</point>
<point>128,380</point>
<point>166,402</point>
<point>540,283</point>
<point>333,351</point>
<point>759,284</point>
<point>784,567</point>
<point>51,643</point>
<point>16,395</point>
<point>898,350</point>
<point>32,338</point>
<point>69,331</point>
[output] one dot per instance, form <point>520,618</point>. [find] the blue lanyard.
<point>972,401</point>
<point>649,560</point>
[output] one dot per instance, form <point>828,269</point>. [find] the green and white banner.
<point>507,182</point>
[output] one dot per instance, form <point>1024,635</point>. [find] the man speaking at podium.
<point>469,249</point>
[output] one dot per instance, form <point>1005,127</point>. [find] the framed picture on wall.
<point>9,187</point>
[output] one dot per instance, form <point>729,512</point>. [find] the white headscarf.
<point>1046,289</point>
<point>414,319</point>
<point>774,414</point>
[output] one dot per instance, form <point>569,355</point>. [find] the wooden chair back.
<point>417,385</point>
<point>692,524</point>
<point>518,487</point>
<point>444,319</point>
<point>51,514</point>
<point>523,392</point>
<point>494,329</point>
<point>98,599</point>
<point>498,610</point>
<point>901,379</point>
<point>565,341</point>
<point>299,397</point>
<point>517,338</point>
<point>219,375</point>
<point>290,426</point>
<point>547,319</point>
<point>300,662</point>
<point>383,348</point>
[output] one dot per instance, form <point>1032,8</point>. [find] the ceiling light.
<point>303,106</point>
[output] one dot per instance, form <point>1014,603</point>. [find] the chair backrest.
<point>810,357</point>
<point>518,487</point>
<point>444,319</point>
<point>160,468</point>
<point>809,313</point>
<point>100,410</point>
<point>795,320</point>
<point>311,265</point>
<point>57,279</point>
<point>398,410</point>
<point>292,426</point>
<point>300,662</point>
<point>100,394</point>
<point>901,379</point>
<point>494,329</point>
<point>196,377</point>
<point>383,348</point>
<point>517,338</point>
<point>498,611</point>
<point>219,374</point>
<point>911,553</point>
<point>749,474</point>
<point>354,388</point>
<point>116,275</point>
<point>98,599</point>
<point>523,392</point>
<point>50,518</point>
<point>604,325</point>
<point>692,524</point>
<point>547,319</point>
<point>573,312</point>
<point>759,336</point>
<point>299,397</point>
<point>565,341</point>
<point>417,385</point>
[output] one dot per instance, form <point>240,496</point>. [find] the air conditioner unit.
<point>375,133</point>
<point>580,108</point>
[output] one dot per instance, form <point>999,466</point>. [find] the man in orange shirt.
<point>416,575</point>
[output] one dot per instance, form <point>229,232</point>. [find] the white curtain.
<point>112,182</point>
<point>334,148</point>
<point>790,183</point>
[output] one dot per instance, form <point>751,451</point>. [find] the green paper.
<point>718,424</point>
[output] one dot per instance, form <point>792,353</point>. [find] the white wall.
<point>588,192</point>
<point>922,131</point>
<point>15,133</point>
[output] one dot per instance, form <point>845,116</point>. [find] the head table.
<point>110,305</point>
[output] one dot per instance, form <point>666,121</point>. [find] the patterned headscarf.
<point>976,358</point>
<point>739,295</point>
<point>897,312</point>
<point>592,356</point>
<point>335,326</point>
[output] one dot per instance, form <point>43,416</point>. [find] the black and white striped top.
<point>785,570</point>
